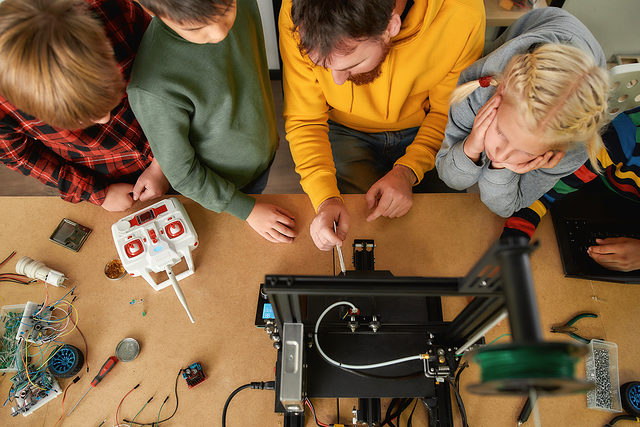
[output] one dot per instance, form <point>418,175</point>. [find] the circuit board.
<point>28,394</point>
<point>194,375</point>
<point>34,323</point>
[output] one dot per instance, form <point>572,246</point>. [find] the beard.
<point>370,76</point>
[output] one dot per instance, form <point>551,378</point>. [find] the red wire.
<point>120,404</point>
<point>64,396</point>
<point>7,258</point>
<point>86,346</point>
<point>313,411</point>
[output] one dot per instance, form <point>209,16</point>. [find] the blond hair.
<point>56,62</point>
<point>558,91</point>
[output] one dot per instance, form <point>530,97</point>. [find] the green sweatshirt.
<point>207,110</point>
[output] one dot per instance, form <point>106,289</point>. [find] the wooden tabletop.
<point>443,235</point>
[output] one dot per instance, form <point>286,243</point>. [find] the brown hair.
<point>559,92</point>
<point>56,62</point>
<point>188,11</point>
<point>326,26</point>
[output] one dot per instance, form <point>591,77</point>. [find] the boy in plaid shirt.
<point>64,115</point>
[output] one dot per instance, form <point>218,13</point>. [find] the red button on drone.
<point>133,248</point>
<point>174,229</point>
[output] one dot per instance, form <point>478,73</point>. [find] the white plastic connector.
<point>37,270</point>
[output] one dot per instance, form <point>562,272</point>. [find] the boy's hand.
<point>118,197</point>
<point>617,253</point>
<point>548,160</point>
<point>151,183</point>
<point>321,230</point>
<point>391,195</point>
<point>474,145</point>
<point>272,222</point>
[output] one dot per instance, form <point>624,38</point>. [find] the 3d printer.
<point>357,335</point>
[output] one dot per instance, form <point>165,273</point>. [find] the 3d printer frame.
<point>500,282</point>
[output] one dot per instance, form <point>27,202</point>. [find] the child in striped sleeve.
<point>620,162</point>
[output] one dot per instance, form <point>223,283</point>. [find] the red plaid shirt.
<point>82,163</point>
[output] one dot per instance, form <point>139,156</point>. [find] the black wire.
<point>462,368</point>
<point>463,413</point>
<point>410,419</point>
<point>382,377</point>
<point>313,411</point>
<point>403,404</point>
<point>154,423</point>
<point>226,404</point>
<point>387,415</point>
<point>620,418</point>
<point>337,410</point>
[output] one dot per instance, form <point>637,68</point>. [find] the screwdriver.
<point>108,366</point>
<point>339,249</point>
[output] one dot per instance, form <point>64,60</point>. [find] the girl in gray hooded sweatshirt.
<point>528,113</point>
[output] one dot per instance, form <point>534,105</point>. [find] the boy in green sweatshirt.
<point>200,89</point>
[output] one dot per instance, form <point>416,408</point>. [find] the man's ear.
<point>393,27</point>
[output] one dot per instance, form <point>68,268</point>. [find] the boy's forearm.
<point>30,158</point>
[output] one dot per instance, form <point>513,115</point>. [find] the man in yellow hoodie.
<point>366,86</point>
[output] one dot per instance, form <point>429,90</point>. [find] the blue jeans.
<point>363,158</point>
<point>257,185</point>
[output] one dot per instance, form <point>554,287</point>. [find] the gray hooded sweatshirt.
<point>502,190</point>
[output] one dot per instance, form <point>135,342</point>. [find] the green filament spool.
<point>516,368</point>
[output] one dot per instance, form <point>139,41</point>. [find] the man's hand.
<point>474,145</point>
<point>391,195</point>
<point>321,230</point>
<point>617,253</point>
<point>151,183</point>
<point>548,160</point>
<point>118,197</point>
<point>272,222</point>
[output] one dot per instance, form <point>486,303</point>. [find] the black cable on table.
<point>621,418</point>
<point>259,385</point>
<point>402,403</point>
<point>463,413</point>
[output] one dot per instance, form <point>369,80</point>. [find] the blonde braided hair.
<point>558,91</point>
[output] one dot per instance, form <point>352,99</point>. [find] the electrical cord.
<point>256,385</point>
<point>410,419</point>
<point>622,418</point>
<point>463,412</point>
<point>391,414</point>
<point>319,423</point>
<point>142,409</point>
<point>161,406</point>
<point>462,367</point>
<point>344,365</point>
<point>155,423</point>
<point>64,396</point>
<point>382,377</point>
<point>122,400</point>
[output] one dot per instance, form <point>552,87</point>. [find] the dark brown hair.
<point>325,25</point>
<point>188,11</point>
<point>56,62</point>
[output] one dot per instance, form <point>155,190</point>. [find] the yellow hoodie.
<point>438,39</point>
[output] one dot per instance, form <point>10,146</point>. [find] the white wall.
<point>614,23</point>
<point>269,28</point>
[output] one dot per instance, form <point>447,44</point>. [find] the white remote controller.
<point>155,239</point>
